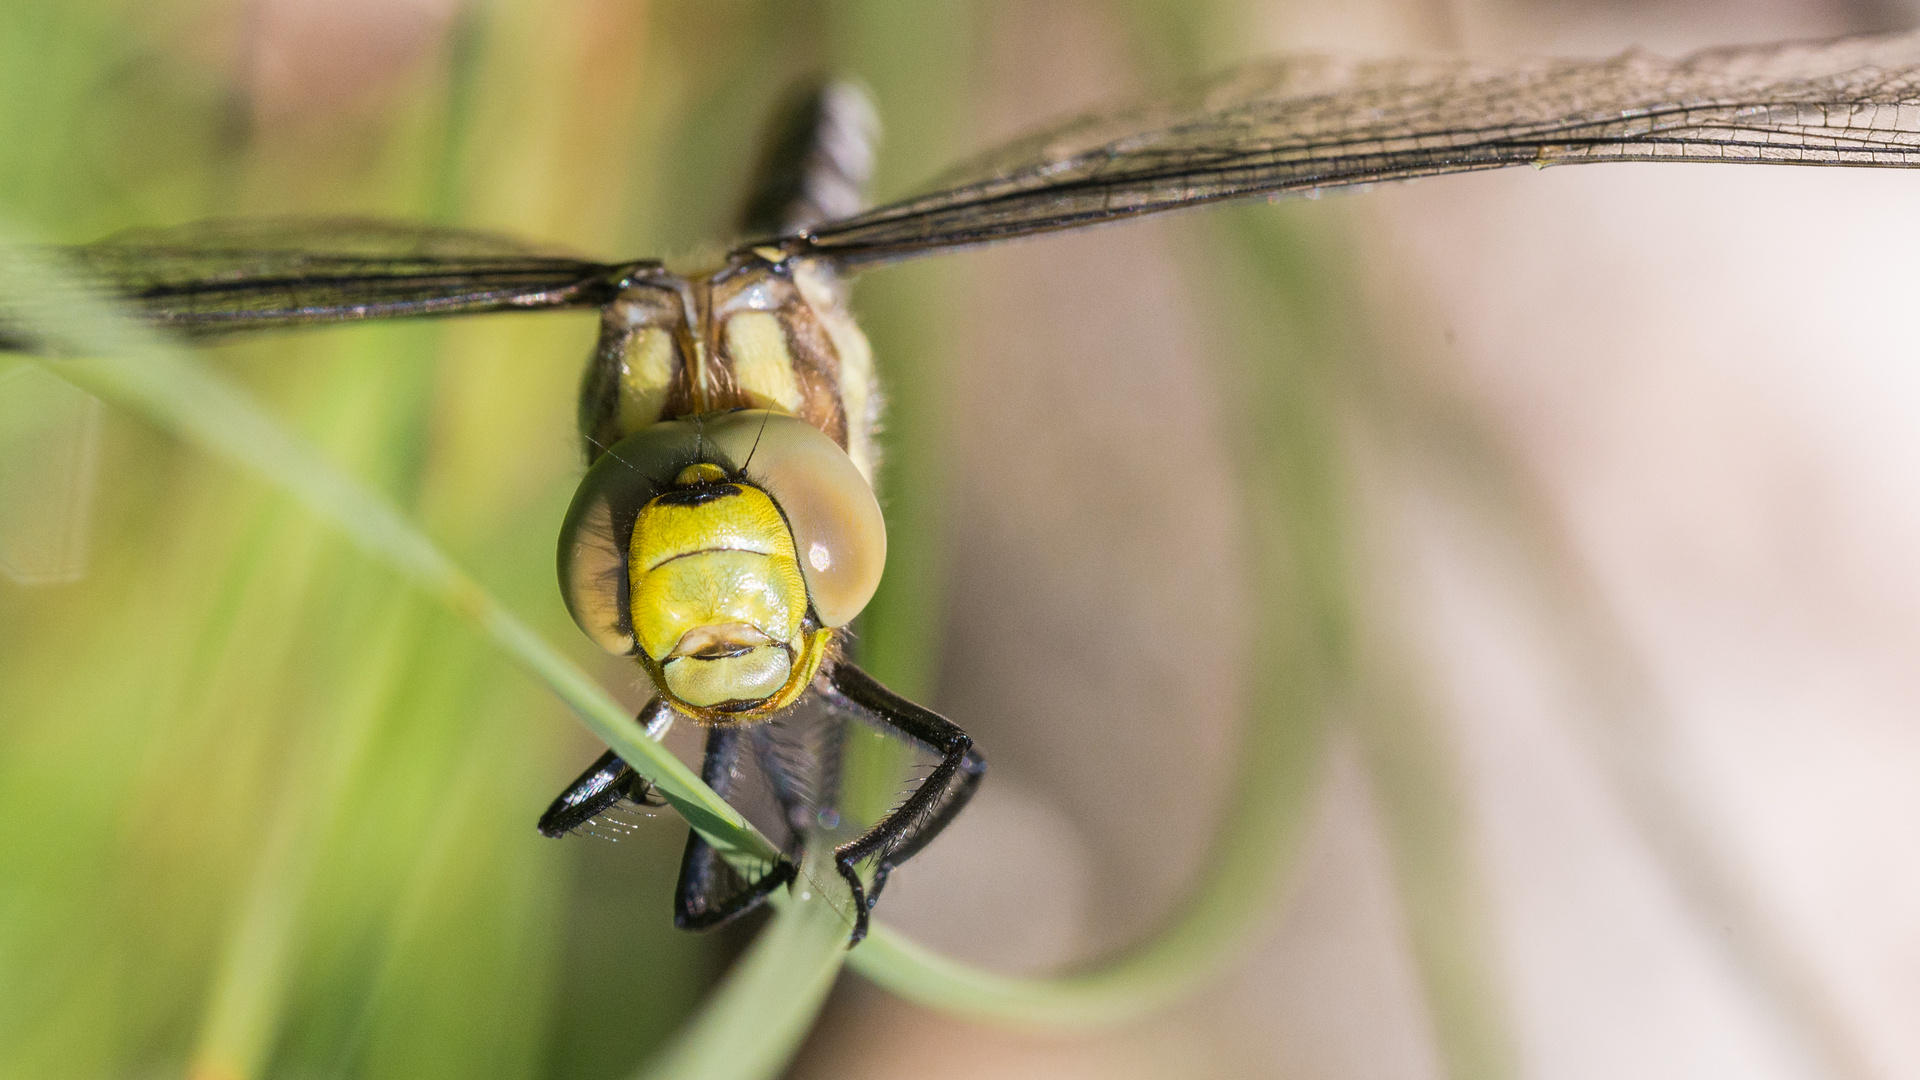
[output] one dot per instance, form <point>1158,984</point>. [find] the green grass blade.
<point>766,1004</point>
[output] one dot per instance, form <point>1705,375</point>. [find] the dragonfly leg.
<point>606,782</point>
<point>926,810</point>
<point>711,892</point>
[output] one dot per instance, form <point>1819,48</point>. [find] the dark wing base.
<point>229,276</point>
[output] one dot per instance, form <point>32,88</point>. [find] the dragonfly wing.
<point>1301,124</point>
<point>224,276</point>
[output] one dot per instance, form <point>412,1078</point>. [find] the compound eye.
<point>838,533</point>
<point>593,540</point>
<point>593,576</point>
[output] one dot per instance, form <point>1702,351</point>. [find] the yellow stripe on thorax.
<point>762,363</point>
<point>646,374</point>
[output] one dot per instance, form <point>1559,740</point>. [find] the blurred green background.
<point>270,815</point>
<point>267,814</point>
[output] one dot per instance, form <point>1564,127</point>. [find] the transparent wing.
<point>222,276</point>
<point>1304,123</point>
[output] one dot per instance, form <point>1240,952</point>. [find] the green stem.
<point>754,1022</point>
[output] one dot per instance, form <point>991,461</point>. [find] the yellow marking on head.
<point>762,365</point>
<point>744,520</point>
<point>813,651</point>
<point>646,373</point>
<point>804,667</point>
<point>719,601</point>
<point>671,600</point>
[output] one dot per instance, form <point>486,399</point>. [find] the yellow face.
<point>719,602</point>
<point>722,551</point>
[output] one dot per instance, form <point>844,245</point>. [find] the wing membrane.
<point>218,277</point>
<point>1301,124</point>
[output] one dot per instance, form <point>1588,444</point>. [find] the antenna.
<point>608,451</point>
<point>764,419</point>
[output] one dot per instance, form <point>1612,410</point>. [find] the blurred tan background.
<point>1697,388</point>
<point>1627,779</point>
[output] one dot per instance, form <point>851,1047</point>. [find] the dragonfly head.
<point>722,552</point>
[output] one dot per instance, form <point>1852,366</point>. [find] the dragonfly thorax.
<point>762,332</point>
<point>722,548</point>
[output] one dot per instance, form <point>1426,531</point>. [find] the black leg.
<point>711,892</point>
<point>598,790</point>
<point>923,813</point>
<point>606,782</point>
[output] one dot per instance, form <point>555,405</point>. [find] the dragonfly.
<point>725,533</point>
